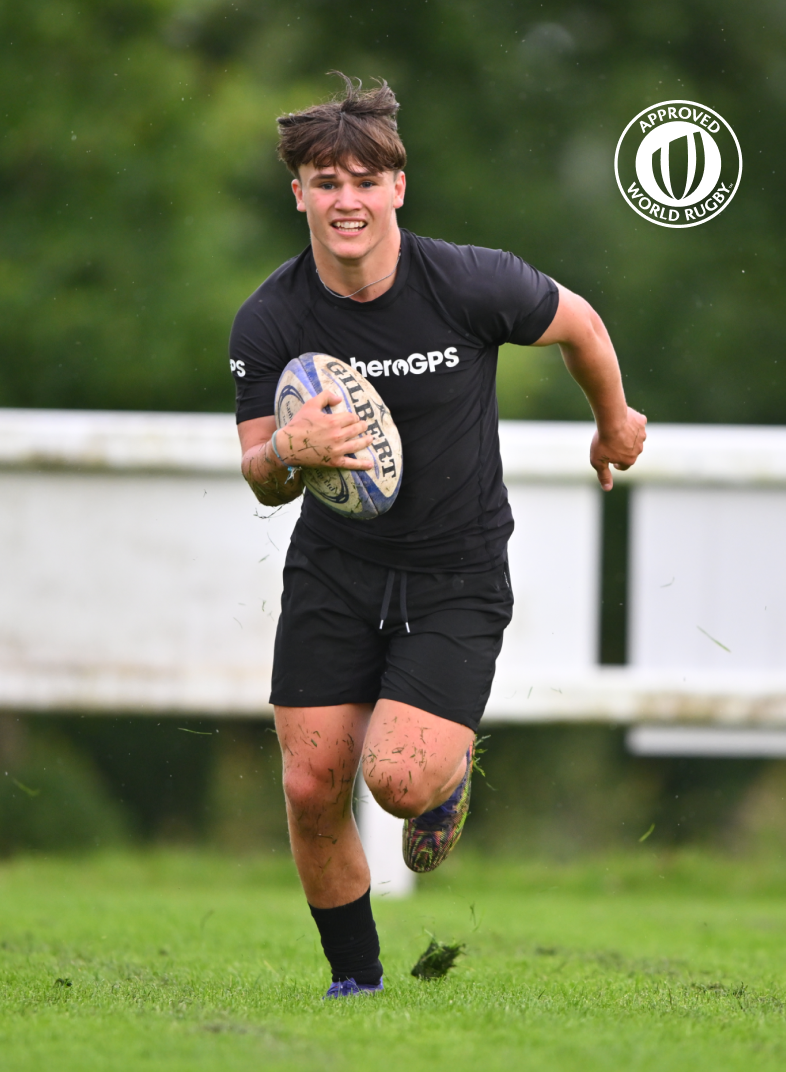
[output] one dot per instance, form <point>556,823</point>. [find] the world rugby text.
<point>696,212</point>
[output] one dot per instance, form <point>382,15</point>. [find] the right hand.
<point>314,438</point>
<point>619,446</point>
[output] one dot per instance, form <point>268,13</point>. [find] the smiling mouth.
<point>348,226</point>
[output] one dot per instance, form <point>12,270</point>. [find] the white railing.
<point>138,574</point>
<point>706,588</point>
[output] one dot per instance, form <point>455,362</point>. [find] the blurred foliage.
<point>559,792</point>
<point>140,198</point>
<point>550,792</point>
<point>160,769</point>
<point>52,798</point>
<point>245,804</point>
<point>173,780</point>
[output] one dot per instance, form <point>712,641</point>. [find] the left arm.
<point>589,357</point>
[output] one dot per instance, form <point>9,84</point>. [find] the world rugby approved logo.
<point>678,164</point>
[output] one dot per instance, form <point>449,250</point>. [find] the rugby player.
<point>390,628</point>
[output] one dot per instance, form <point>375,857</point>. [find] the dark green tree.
<point>141,198</point>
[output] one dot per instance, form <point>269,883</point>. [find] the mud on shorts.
<point>352,631</point>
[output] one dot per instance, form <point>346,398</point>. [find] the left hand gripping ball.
<point>361,494</point>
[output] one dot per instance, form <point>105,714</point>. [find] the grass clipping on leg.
<point>437,961</point>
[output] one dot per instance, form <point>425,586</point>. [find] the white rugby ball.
<point>362,494</point>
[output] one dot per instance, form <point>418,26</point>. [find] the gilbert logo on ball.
<point>361,494</point>
<point>678,164</point>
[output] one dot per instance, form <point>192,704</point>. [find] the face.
<point>350,214</point>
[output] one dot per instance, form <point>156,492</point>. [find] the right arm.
<point>311,439</point>
<point>589,356</point>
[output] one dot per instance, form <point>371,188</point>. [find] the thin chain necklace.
<point>365,285</point>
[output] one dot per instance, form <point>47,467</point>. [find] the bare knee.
<point>399,791</point>
<point>313,793</point>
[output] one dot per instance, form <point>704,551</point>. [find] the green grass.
<point>193,962</point>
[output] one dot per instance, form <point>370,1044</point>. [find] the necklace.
<point>365,285</point>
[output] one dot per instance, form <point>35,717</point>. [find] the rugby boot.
<point>430,837</point>
<point>347,988</point>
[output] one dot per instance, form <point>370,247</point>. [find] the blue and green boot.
<point>430,837</point>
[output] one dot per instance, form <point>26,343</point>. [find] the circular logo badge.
<point>678,164</point>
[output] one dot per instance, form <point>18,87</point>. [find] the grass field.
<point>189,963</point>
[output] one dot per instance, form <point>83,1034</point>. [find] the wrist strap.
<point>291,469</point>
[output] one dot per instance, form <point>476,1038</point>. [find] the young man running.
<point>390,628</point>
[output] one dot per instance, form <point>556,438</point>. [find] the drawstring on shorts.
<point>386,598</point>
<point>402,595</point>
<point>402,591</point>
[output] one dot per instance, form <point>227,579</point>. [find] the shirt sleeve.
<point>258,352</point>
<point>496,295</point>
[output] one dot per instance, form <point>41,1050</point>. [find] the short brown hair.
<point>357,127</point>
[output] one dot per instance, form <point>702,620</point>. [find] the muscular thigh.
<point>410,753</point>
<point>321,750</point>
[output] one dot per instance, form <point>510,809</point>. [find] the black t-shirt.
<point>429,345</point>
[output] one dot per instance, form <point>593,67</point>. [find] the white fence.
<point>138,574</point>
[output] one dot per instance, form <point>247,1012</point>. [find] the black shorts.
<point>436,650</point>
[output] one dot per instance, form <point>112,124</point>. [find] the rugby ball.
<point>362,494</point>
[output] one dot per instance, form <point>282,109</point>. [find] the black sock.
<point>349,938</point>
